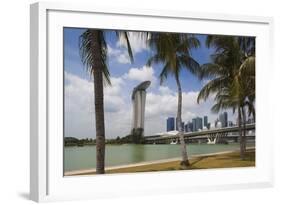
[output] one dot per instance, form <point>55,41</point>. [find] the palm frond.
<point>164,73</point>
<point>190,64</point>
<point>212,87</point>
<point>123,35</point>
<point>88,54</point>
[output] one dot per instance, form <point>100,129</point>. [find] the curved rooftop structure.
<point>143,86</point>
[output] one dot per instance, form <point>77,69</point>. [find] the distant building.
<point>206,121</point>
<point>223,119</point>
<point>197,123</point>
<point>230,124</point>
<point>190,127</point>
<point>194,125</point>
<point>170,124</point>
<point>138,102</point>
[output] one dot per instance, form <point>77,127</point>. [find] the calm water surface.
<point>77,158</point>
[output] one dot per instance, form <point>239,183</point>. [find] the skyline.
<point>202,123</point>
<point>161,101</point>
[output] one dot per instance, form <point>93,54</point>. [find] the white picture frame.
<point>46,176</point>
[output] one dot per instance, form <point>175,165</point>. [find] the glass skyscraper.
<point>223,119</point>
<point>190,127</point>
<point>194,125</point>
<point>206,121</point>
<point>197,123</point>
<point>170,124</point>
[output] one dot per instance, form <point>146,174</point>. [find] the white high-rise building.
<point>138,101</point>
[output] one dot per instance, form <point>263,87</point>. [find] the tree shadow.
<point>196,161</point>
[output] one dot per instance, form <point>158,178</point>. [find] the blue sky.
<point>79,108</point>
<point>74,65</point>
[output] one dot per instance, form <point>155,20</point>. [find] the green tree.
<point>173,51</point>
<point>93,51</point>
<point>231,78</point>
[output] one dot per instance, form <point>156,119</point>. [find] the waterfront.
<point>80,158</point>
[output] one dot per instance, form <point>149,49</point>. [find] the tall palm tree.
<point>232,74</point>
<point>244,92</point>
<point>173,51</point>
<point>93,51</point>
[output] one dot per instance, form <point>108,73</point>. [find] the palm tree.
<point>232,74</point>
<point>93,51</point>
<point>244,92</point>
<point>173,51</point>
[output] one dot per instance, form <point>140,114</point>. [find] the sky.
<point>161,100</point>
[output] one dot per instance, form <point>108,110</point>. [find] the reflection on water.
<point>76,158</point>
<point>137,152</point>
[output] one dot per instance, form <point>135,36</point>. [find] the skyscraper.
<point>138,101</point>
<point>230,124</point>
<point>194,125</point>
<point>197,124</point>
<point>170,124</point>
<point>190,127</point>
<point>206,121</point>
<point>223,119</point>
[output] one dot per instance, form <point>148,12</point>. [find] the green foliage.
<point>137,136</point>
<point>231,73</point>
<point>87,52</point>
<point>173,51</point>
<point>72,141</point>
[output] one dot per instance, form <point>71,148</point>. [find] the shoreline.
<point>147,163</point>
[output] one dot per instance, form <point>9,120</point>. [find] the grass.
<point>213,161</point>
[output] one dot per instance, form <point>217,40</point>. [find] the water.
<point>77,158</point>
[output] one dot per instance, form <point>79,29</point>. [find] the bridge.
<point>211,136</point>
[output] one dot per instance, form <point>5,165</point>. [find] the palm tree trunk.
<point>99,109</point>
<point>184,162</point>
<point>240,134</point>
<point>244,133</point>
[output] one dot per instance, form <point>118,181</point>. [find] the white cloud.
<point>161,102</point>
<point>141,74</point>
<point>119,54</point>
<point>165,90</point>
<point>123,58</point>
<point>161,106</point>
<point>79,104</point>
<point>113,101</point>
<point>166,103</point>
<point>115,88</point>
